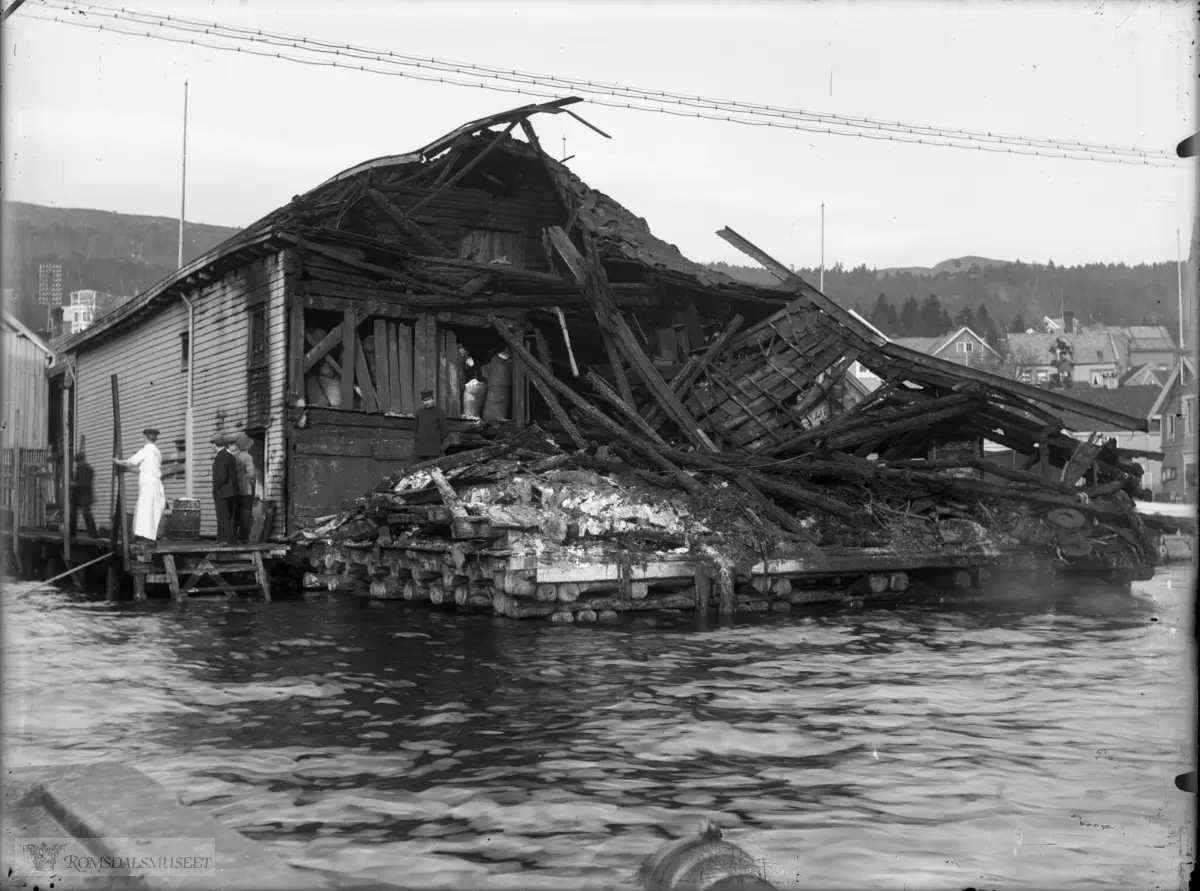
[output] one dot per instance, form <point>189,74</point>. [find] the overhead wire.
<point>511,81</point>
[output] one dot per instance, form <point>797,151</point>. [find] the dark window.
<point>185,350</point>
<point>258,337</point>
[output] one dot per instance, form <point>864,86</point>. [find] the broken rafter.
<point>405,222</point>
<point>466,168</point>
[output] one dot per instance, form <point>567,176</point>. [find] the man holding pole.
<point>151,500</point>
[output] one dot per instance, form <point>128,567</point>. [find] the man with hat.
<point>433,430</point>
<point>151,500</point>
<point>247,477</point>
<point>225,486</point>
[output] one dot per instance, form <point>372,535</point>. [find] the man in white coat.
<point>151,500</point>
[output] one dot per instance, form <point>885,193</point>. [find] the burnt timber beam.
<point>921,361</point>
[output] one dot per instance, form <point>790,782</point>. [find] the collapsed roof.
<point>375,208</point>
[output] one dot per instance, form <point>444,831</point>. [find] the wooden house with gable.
<point>453,268</point>
<point>315,328</point>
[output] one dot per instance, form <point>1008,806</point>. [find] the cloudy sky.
<point>94,119</point>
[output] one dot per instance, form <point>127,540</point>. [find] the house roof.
<point>23,330</point>
<point>1134,401</point>
<point>620,234</point>
<point>1186,367</point>
<point>1146,373</point>
<point>920,344</point>
<point>1090,347</point>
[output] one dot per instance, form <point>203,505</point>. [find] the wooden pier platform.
<point>197,566</point>
<point>184,566</point>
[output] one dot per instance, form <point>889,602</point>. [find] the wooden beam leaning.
<point>626,410</point>
<point>597,417</point>
<point>408,225</point>
<point>321,350</point>
<point>363,377</point>
<point>463,171</point>
<point>551,400</point>
<point>683,382</point>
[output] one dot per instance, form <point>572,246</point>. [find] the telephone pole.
<point>183,179</point>
<point>821,286</point>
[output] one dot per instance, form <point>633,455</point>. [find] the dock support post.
<point>172,576</point>
<point>703,588</point>
<point>263,581</point>
<point>139,586</point>
<point>728,602</point>
<point>112,580</point>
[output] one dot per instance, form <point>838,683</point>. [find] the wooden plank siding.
<point>153,378</point>
<point>26,402</point>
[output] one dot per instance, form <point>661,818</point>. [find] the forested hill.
<point>115,253</point>
<point>1101,293</point>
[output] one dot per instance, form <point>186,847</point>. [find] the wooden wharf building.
<point>480,256</point>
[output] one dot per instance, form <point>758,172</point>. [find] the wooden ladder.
<point>216,570</point>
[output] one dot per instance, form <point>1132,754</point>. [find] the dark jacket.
<point>432,428</point>
<point>224,475</point>
<point>81,484</point>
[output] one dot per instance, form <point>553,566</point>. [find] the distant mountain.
<point>1100,293</point>
<point>958,264</point>
<point>114,253</point>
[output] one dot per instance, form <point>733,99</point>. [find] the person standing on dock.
<point>247,478</point>
<point>433,430</point>
<point>225,487</point>
<point>82,496</point>
<point>151,500</point>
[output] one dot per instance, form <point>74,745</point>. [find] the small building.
<point>1176,404</point>
<point>1135,401</point>
<point>1139,345</point>
<point>1096,362</point>
<point>26,464</point>
<point>963,346</point>
<point>1145,375</point>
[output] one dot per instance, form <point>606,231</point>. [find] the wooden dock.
<point>184,566</point>
<point>196,566</point>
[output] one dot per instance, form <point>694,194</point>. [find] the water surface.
<point>1028,740</point>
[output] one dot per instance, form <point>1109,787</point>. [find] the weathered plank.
<point>406,361</point>
<point>393,366</point>
<point>363,378</point>
<point>349,342</point>
<point>321,350</point>
<point>295,308</point>
<point>383,377</point>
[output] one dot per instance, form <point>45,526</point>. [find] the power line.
<point>475,70</point>
<point>501,80</point>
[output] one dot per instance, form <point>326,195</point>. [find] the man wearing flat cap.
<point>247,478</point>
<point>224,486</point>
<point>151,500</point>
<point>433,430</point>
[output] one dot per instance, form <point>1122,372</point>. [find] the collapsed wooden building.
<point>573,351</point>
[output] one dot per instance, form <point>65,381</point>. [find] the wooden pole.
<point>123,516</point>
<point>66,473</point>
<point>74,569</point>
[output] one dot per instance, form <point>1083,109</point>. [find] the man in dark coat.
<point>82,496</point>
<point>225,487</point>
<point>433,430</point>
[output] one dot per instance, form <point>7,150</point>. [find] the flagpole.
<point>183,179</point>
<point>821,286</point>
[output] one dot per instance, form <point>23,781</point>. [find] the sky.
<point>95,119</point>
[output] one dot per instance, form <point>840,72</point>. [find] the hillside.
<point>123,254</point>
<point>1102,293</point>
<point>116,253</point>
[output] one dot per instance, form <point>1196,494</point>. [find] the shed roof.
<point>23,330</point>
<point>1134,401</point>
<point>1090,347</point>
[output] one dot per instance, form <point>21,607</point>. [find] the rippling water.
<point>1029,741</point>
